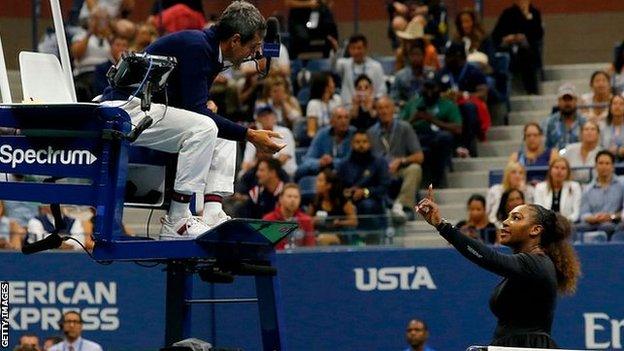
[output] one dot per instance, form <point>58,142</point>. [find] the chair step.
<point>470,179</point>
<point>498,148</point>
<point>523,117</point>
<point>454,196</point>
<point>571,72</point>
<point>533,102</point>
<point>479,163</point>
<point>511,132</point>
<point>550,87</point>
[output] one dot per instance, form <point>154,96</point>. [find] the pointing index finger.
<point>430,192</point>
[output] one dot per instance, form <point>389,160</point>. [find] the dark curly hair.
<point>502,212</point>
<point>556,244</point>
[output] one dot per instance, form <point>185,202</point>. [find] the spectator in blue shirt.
<point>601,203</point>
<point>330,146</point>
<point>416,335</point>
<point>365,177</point>
<point>564,126</point>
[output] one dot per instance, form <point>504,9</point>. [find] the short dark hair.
<point>476,197</point>
<point>318,84</point>
<point>362,77</point>
<point>419,321</point>
<point>273,164</point>
<point>598,73</point>
<point>264,110</point>
<point>456,48</point>
<point>605,152</point>
<point>29,335</point>
<point>72,312</point>
<point>501,214</point>
<point>357,37</point>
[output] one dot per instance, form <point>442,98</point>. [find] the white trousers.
<point>206,164</point>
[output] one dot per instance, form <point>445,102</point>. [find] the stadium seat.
<point>299,153</point>
<point>596,237</point>
<point>618,237</point>
<point>319,65</point>
<point>388,64</point>
<point>303,96</point>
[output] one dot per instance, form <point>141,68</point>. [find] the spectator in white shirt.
<point>323,100</point>
<point>359,63</point>
<point>583,153</point>
<point>266,119</point>
<point>276,93</point>
<point>558,192</point>
<point>114,8</point>
<point>43,225</point>
<point>89,49</point>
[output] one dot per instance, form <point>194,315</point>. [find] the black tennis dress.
<point>524,301</point>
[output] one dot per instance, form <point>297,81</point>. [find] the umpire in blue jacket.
<point>204,141</point>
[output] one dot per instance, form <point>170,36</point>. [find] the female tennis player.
<point>542,264</point>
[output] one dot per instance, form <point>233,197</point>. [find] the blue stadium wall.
<point>354,300</point>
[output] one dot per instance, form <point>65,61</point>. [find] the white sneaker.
<point>183,228</point>
<point>216,219</point>
<point>397,210</point>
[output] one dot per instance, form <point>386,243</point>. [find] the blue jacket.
<point>197,52</point>
<point>323,144</point>
<point>557,135</point>
<point>372,174</point>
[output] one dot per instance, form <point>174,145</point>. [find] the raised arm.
<point>505,265</point>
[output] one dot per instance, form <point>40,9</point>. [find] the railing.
<point>373,230</point>
<point>538,173</point>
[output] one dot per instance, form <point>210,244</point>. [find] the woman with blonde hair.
<point>276,94</point>
<point>558,192</point>
<point>514,176</point>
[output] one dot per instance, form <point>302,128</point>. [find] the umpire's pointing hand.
<point>262,140</point>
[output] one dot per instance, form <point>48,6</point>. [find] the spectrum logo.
<point>49,156</point>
